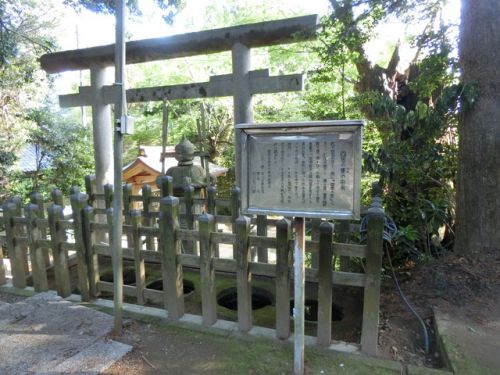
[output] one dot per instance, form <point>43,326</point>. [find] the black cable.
<point>405,300</point>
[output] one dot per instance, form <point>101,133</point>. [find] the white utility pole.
<point>120,117</point>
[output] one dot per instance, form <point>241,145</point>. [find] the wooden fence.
<point>38,238</point>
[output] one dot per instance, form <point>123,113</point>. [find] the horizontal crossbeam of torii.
<point>218,86</point>
<point>241,84</point>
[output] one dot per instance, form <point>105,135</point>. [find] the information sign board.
<point>309,169</point>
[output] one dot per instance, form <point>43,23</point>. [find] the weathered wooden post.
<point>37,198</point>
<point>148,220</point>
<point>57,235</point>
<point>243,275</point>
<point>371,306</point>
<point>89,239</point>
<point>283,263</point>
<point>90,189</point>
<point>325,273</point>
<point>262,252</point>
<point>57,197</point>
<point>342,229</point>
<point>206,224</point>
<point>108,201</point>
<point>166,186</point>
<point>127,207</point>
<point>38,261</point>
<point>235,205</point>
<point>17,262</point>
<point>19,230</point>
<point>78,203</point>
<point>140,270</point>
<point>108,196</point>
<point>315,223</point>
<point>212,210</point>
<point>170,249</point>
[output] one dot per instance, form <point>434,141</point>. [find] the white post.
<point>120,110</point>
<point>299,286</point>
<point>242,96</point>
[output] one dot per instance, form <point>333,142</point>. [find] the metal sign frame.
<point>244,133</point>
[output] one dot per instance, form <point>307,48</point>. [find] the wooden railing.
<point>35,241</point>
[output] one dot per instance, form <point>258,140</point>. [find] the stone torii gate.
<point>241,84</point>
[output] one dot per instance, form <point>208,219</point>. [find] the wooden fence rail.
<point>36,238</point>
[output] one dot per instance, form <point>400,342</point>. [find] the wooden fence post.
<point>20,247</point>
<point>78,203</point>
<point>140,270</point>
<point>127,207</point>
<point>148,221</point>
<point>342,230</point>
<point>166,185</point>
<point>212,210</point>
<point>235,205</point>
<point>37,199</point>
<point>57,235</point>
<point>206,224</point>
<point>371,305</point>
<point>262,252</point>
<point>90,189</point>
<point>92,257</point>
<point>243,275</point>
<point>315,223</point>
<point>189,247</point>
<point>108,196</point>
<point>17,261</point>
<point>38,261</point>
<point>325,273</point>
<point>170,249</point>
<point>57,197</point>
<point>283,262</point>
<point>235,208</point>
<point>108,203</point>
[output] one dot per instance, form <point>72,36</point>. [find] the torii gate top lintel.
<point>260,34</point>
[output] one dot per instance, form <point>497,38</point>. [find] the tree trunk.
<point>478,190</point>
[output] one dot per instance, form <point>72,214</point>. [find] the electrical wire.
<point>390,231</point>
<point>410,307</point>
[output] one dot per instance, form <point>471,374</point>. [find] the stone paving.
<point>45,334</point>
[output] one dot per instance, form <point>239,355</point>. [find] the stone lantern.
<point>186,171</point>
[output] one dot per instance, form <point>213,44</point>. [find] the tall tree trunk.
<point>478,190</point>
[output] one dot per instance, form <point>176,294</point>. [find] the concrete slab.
<point>467,347</point>
<point>42,332</point>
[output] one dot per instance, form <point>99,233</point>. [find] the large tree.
<point>412,111</point>
<point>478,202</point>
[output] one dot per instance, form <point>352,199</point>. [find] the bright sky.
<point>93,29</point>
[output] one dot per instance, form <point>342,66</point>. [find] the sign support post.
<point>299,286</point>
<point>301,170</point>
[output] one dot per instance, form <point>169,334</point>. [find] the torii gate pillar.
<point>101,128</point>
<point>242,95</point>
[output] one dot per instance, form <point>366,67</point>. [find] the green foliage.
<point>169,8</point>
<point>25,33</point>
<point>410,142</point>
<point>64,155</point>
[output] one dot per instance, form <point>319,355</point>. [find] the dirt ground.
<point>466,286</point>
